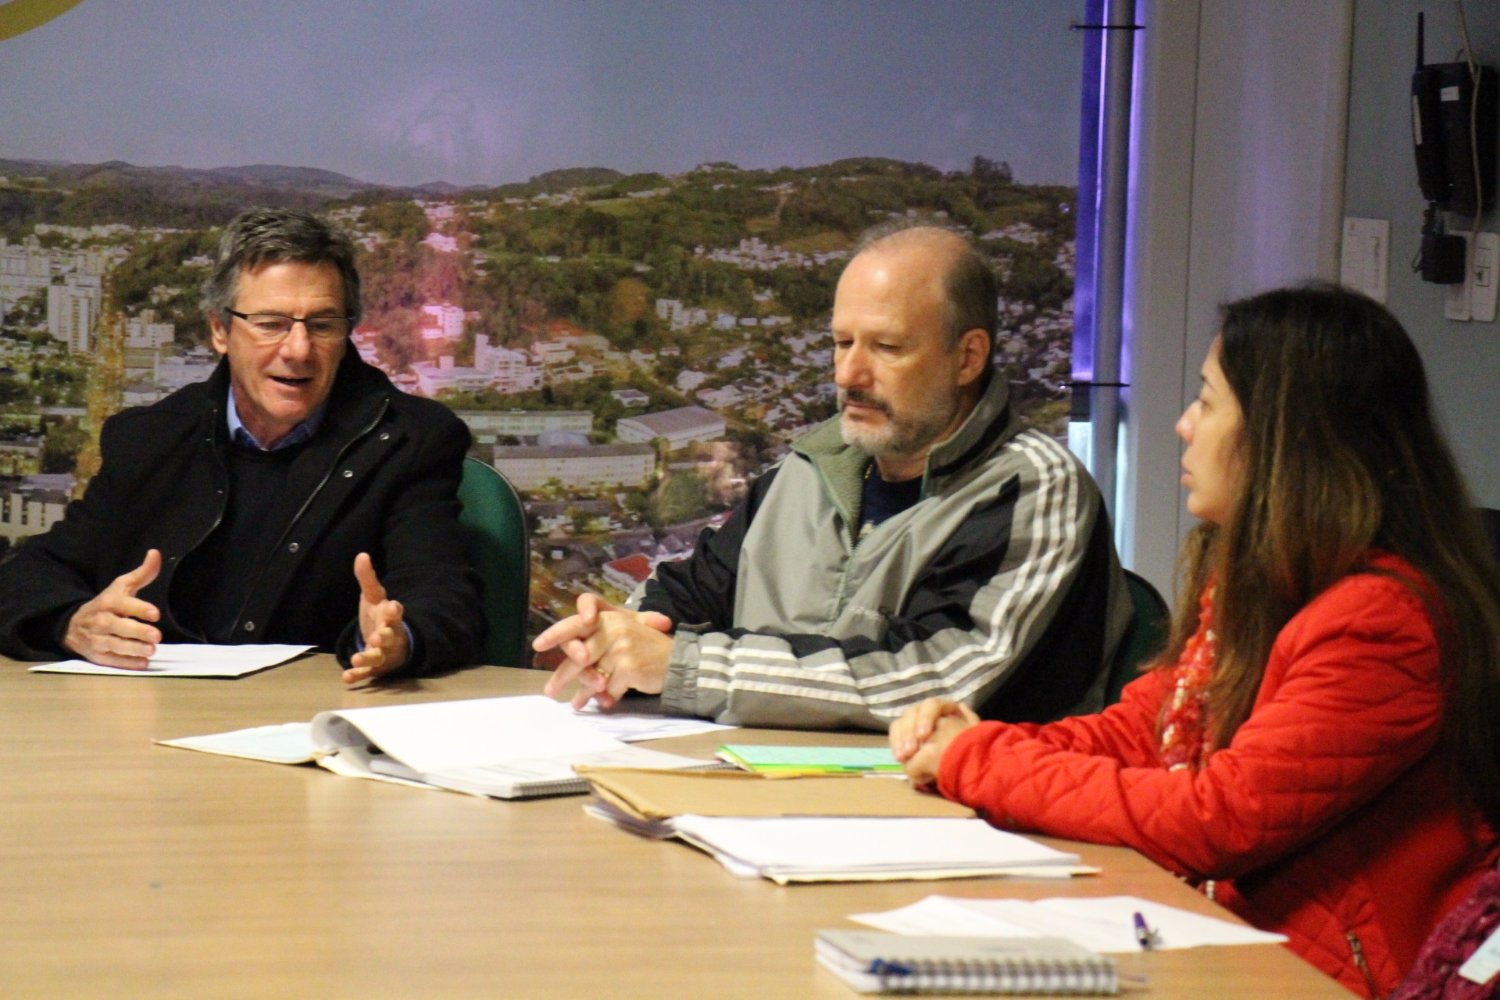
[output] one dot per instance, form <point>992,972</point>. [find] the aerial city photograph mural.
<point>606,235</point>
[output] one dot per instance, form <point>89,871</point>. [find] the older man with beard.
<point>922,543</point>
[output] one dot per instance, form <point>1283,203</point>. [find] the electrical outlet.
<point>1484,272</point>
<point>1474,298</point>
<point>1364,259</point>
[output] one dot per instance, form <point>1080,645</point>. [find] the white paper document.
<point>431,736</point>
<point>287,743</point>
<point>637,727</point>
<point>830,849</point>
<point>189,659</point>
<point>1101,923</point>
<point>516,747</point>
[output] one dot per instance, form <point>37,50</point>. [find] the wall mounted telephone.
<point>1453,120</point>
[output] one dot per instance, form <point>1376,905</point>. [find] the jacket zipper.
<point>1358,952</point>
<point>851,535</point>
<point>337,459</point>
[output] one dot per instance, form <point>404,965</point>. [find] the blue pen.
<point>883,968</point>
<point>1144,935</point>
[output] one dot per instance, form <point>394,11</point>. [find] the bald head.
<point>961,278</point>
<point>908,363</point>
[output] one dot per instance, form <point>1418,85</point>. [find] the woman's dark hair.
<point>1341,455</point>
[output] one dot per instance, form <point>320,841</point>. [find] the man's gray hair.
<point>278,235</point>
<point>971,293</point>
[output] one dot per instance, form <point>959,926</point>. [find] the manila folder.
<point>659,795</point>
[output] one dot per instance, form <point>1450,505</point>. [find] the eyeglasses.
<point>272,328</point>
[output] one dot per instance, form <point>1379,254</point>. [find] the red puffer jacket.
<point>1329,818</point>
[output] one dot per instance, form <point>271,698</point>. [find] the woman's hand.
<point>923,732</point>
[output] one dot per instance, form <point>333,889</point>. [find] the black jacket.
<point>380,475</point>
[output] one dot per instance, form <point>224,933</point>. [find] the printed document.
<point>189,659</point>
<point>842,849</point>
<point>1102,923</point>
<point>517,747</point>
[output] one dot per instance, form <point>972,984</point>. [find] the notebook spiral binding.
<point>1013,975</point>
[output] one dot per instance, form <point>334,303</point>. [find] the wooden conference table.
<point>133,870</point>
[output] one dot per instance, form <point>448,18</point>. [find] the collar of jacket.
<point>843,467</point>
<point>352,402</point>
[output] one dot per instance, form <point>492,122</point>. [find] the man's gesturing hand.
<point>381,625</point>
<point>114,628</point>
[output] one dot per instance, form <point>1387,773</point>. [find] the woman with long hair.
<point>1319,745</point>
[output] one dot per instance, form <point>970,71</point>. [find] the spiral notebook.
<point>878,962</point>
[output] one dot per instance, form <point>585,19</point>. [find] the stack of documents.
<point>505,748</point>
<point>853,849</point>
<point>788,849</point>
<point>636,798</point>
<point>818,829</point>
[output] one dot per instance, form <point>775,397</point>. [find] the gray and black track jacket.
<point>999,588</point>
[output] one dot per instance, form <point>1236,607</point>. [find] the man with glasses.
<point>294,496</point>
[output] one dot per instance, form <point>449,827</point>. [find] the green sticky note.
<point>832,759</point>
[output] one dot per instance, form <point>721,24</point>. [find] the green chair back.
<point>1145,637</point>
<point>498,550</point>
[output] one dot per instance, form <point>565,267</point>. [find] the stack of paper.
<point>855,849</point>
<point>820,828</point>
<point>653,796</point>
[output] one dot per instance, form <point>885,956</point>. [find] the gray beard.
<point>906,435</point>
